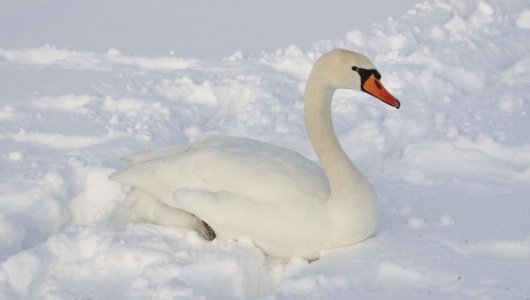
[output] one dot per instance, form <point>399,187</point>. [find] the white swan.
<point>277,198</point>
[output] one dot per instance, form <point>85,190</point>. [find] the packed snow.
<point>451,167</point>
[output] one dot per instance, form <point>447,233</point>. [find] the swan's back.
<point>257,171</point>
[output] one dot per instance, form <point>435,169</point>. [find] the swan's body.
<point>243,188</point>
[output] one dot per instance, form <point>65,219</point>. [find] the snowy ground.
<point>206,29</point>
<point>451,167</point>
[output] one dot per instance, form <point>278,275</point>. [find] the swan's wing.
<point>153,154</point>
<point>252,169</point>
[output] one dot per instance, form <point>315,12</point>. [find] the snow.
<point>451,166</point>
<point>523,20</point>
<point>206,29</point>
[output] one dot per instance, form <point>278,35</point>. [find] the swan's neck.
<point>351,195</point>
<point>341,173</point>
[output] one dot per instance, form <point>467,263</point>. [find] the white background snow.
<point>84,83</point>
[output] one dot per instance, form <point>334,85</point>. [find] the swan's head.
<point>344,69</point>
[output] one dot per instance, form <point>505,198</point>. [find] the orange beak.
<point>375,88</point>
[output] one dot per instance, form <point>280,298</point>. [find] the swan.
<point>238,188</point>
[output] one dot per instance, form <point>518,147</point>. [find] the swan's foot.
<point>207,232</point>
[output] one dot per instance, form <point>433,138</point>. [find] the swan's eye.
<point>366,73</point>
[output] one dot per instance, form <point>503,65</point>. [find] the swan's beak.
<point>375,88</point>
